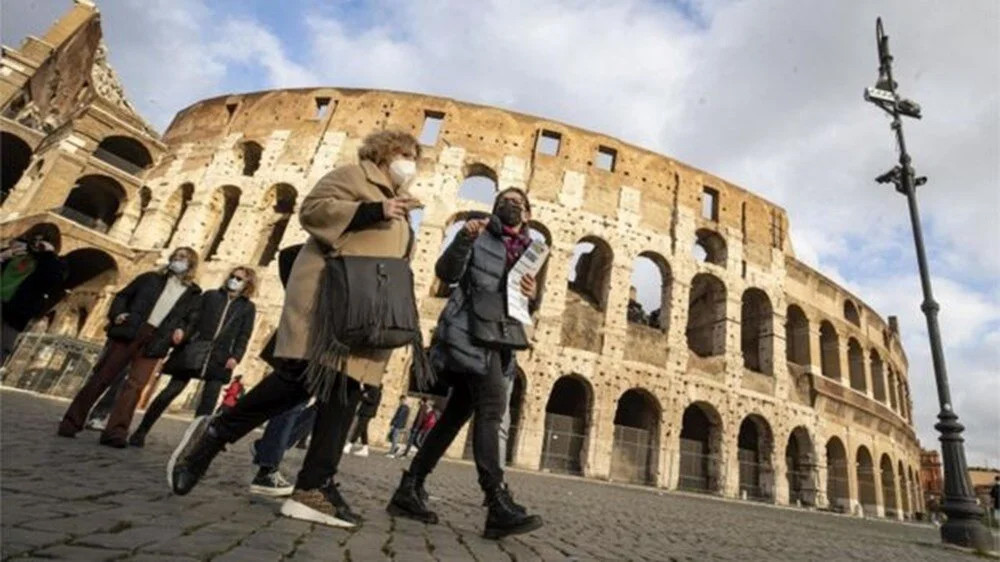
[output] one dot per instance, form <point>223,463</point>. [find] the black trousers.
<point>206,405</point>
<point>281,391</point>
<point>361,431</point>
<point>483,398</point>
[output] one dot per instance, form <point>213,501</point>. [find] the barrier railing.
<point>49,364</point>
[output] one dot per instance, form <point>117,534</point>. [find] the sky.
<point>766,94</point>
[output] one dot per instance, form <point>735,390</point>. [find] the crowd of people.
<point>327,365</point>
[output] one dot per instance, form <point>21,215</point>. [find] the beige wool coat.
<point>325,214</point>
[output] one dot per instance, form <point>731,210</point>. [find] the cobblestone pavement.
<point>72,499</point>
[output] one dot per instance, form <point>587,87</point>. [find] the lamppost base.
<point>968,533</point>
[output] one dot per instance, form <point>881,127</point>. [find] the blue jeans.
<point>394,438</point>
<point>283,431</point>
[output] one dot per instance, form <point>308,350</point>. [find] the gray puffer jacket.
<point>479,263</point>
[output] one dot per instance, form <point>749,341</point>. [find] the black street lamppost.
<point>964,526</point>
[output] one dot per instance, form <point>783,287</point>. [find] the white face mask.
<point>178,266</point>
<point>402,170</point>
<point>235,285</point>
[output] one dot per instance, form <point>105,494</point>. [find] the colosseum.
<point>732,369</point>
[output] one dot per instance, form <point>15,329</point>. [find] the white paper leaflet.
<point>531,262</point>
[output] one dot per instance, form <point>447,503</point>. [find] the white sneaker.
<point>97,424</point>
<point>362,452</point>
<point>348,448</point>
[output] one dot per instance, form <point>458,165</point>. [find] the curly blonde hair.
<point>250,289</point>
<point>379,147</point>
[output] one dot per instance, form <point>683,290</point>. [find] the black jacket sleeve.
<point>192,316</point>
<point>368,213</point>
<point>246,329</point>
<point>451,265</point>
<point>120,304</point>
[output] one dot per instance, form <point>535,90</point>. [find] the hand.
<point>529,287</point>
<point>45,246</point>
<point>398,207</point>
<point>231,364</point>
<point>178,336</point>
<point>121,318</point>
<point>474,227</point>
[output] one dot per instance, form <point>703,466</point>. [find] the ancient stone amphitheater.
<point>735,369</point>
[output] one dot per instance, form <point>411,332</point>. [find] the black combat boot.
<point>409,502</point>
<point>504,518</point>
<point>138,438</point>
<point>193,455</point>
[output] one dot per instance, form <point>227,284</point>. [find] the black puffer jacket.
<point>137,300</point>
<point>480,263</point>
<point>37,292</point>
<point>234,329</point>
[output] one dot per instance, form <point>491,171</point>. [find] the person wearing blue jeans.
<point>398,425</point>
<point>281,433</point>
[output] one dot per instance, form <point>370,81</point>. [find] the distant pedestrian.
<point>429,421</point>
<point>234,392</point>
<point>995,496</point>
<point>418,422</point>
<point>398,425</point>
<point>370,398</point>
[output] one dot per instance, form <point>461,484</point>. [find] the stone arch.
<point>653,281</point>
<point>125,153</point>
<point>567,416</point>
<point>710,247</point>
<point>888,480</point>
<point>838,492</point>
<point>797,336</point>
<point>866,481</point>
<point>856,365</point>
<point>222,208</point>
<point>706,324</point>
<point>891,382</point>
<point>94,202</point>
<point>904,491</point>
<point>479,185</point>
<point>278,206</point>
<point>851,312</point>
<point>754,451</point>
<point>636,437</point>
<point>16,157</point>
<point>175,207</point>
<point>250,153</point>
<point>829,351</point>
<point>587,294</point>
<point>701,449</point>
<point>90,268</point>
<point>878,377</point>
<point>756,332</point>
<point>800,466</point>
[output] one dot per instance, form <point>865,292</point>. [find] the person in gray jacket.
<point>477,261</point>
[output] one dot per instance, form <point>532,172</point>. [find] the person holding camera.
<point>31,277</point>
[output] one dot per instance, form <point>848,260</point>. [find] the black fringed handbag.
<point>363,303</point>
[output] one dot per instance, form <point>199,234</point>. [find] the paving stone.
<point>247,554</point>
<point>80,553</point>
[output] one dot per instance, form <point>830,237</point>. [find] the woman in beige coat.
<point>356,210</point>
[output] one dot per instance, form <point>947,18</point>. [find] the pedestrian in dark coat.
<point>370,398</point>
<point>31,279</point>
<point>478,261</point>
<point>418,423</point>
<point>151,315</point>
<point>398,425</point>
<point>223,323</point>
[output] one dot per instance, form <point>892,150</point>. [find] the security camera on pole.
<point>964,526</point>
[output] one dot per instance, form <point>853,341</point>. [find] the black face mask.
<point>509,213</point>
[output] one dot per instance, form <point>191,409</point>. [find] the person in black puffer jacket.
<point>371,396</point>
<point>224,323</point>
<point>147,318</point>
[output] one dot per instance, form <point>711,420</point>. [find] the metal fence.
<point>563,447</point>
<point>50,364</point>
<point>633,456</point>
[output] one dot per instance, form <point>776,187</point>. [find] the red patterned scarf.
<point>516,241</point>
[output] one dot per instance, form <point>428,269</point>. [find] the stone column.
<point>154,229</point>
<point>600,438</point>
<point>531,434</point>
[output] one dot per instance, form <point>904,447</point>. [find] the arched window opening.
<point>176,207</point>
<point>90,268</point>
<point>251,153</point>
<point>755,447</point>
<point>145,198</point>
<point>706,326</point>
<point>888,479</point>
<point>856,365</point>
<point>701,449</point>
<point>439,288</point>
<point>710,247</point>
<point>797,336</point>
<point>866,482</point>
<point>829,351</point>
<point>16,157</point>
<point>225,201</point>
<point>878,377</point>
<point>124,153</point>
<point>566,416</point>
<point>800,463</point>
<point>587,297</point>
<point>480,185</point>
<point>280,206</point>
<point>756,333</point>
<point>893,403</point>
<point>94,202</point>
<point>851,313</point>
<point>636,430</point>
<point>837,490</point>
<point>649,303</point>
